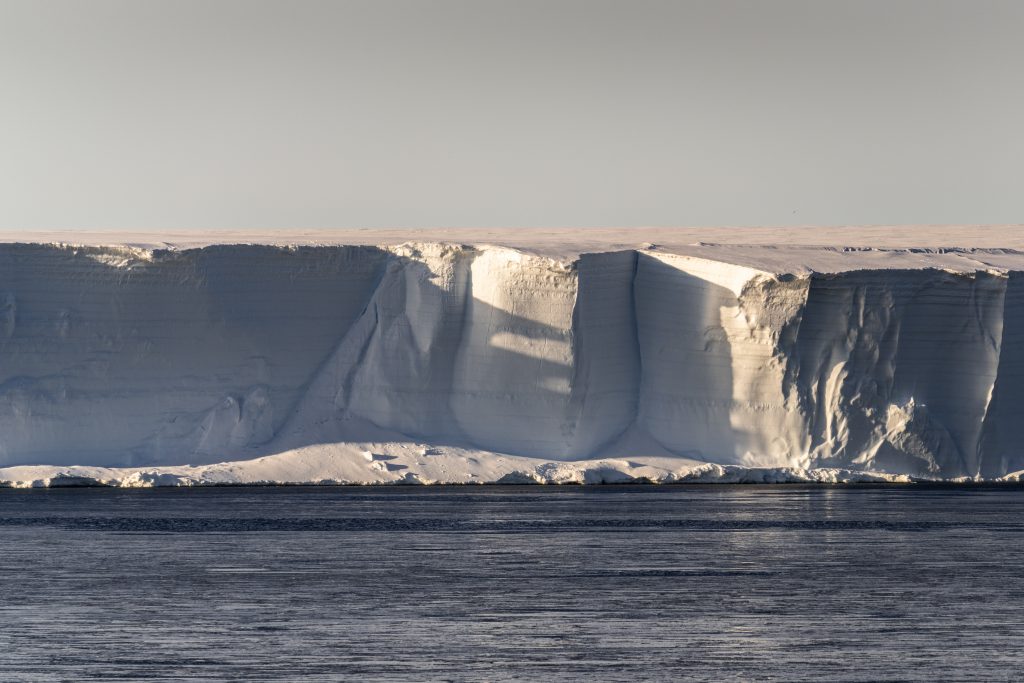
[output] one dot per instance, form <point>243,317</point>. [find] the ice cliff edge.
<point>896,361</point>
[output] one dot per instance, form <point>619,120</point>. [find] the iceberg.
<point>427,361</point>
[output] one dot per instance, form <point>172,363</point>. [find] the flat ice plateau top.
<point>547,356</point>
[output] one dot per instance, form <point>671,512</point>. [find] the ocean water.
<point>714,583</point>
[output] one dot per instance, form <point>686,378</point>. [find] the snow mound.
<point>321,465</point>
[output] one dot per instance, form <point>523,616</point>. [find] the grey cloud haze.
<point>256,114</point>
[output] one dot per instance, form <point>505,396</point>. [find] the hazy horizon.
<point>193,115</point>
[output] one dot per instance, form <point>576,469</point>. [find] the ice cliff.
<point>890,361</point>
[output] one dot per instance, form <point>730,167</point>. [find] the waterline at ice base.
<point>430,361</point>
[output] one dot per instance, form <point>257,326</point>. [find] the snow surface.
<point>543,356</point>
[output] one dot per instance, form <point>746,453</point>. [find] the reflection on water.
<point>611,583</point>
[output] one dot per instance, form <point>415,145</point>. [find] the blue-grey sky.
<point>124,114</point>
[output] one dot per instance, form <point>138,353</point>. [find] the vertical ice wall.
<point>491,348</point>
<point>513,370</point>
<point>606,351</point>
<point>887,369</point>
<point>510,352</point>
<point>713,344</point>
<point>548,360</point>
<point>121,356</point>
<point>896,369</point>
<point>1002,437</point>
<point>395,366</point>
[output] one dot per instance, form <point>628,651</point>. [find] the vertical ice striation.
<point>1002,427</point>
<point>606,351</point>
<point>896,367</point>
<point>395,367</point>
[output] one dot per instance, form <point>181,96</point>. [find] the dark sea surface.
<point>614,583</point>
